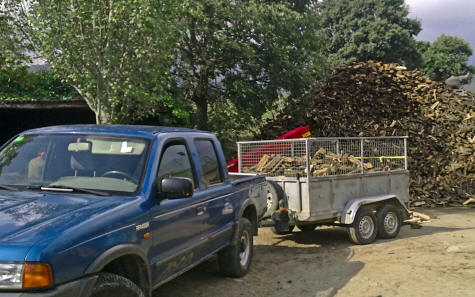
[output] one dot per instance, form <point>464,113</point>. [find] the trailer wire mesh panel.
<point>323,156</point>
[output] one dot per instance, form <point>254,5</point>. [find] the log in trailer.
<point>360,183</point>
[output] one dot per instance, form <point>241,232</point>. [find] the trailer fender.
<point>352,206</point>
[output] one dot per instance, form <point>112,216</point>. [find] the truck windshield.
<point>111,164</point>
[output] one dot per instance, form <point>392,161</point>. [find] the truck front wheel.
<point>234,261</point>
<point>109,284</point>
<point>364,228</point>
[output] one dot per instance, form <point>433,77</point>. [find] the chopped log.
<point>354,161</point>
<point>415,223</point>
<point>421,216</point>
<point>321,172</point>
<point>468,201</point>
<point>262,162</point>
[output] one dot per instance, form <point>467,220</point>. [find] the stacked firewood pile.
<point>278,165</point>
<point>376,99</point>
<point>322,163</point>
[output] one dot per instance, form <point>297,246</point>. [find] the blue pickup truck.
<point>98,211</point>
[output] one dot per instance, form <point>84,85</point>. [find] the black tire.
<point>389,220</point>
<point>282,232</point>
<point>307,228</point>
<point>113,285</point>
<point>273,197</point>
<point>235,260</point>
<point>364,228</point>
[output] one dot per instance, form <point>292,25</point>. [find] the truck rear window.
<point>209,161</point>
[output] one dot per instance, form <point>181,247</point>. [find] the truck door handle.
<point>200,210</point>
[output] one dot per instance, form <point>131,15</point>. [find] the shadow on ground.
<point>304,265</point>
<point>301,264</point>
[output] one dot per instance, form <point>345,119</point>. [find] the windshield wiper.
<point>57,188</point>
<point>9,188</point>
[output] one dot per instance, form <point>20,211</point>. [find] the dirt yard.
<point>436,260</point>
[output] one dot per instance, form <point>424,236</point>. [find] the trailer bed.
<point>327,180</point>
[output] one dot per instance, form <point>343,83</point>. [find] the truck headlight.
<point>11,276</point>
<point>16,276</point>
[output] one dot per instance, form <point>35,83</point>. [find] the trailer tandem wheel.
<point>364,228</point>
<point>389,220</point>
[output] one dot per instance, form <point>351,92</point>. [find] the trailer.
<point>361,183</point>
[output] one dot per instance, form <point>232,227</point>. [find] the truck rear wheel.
<point>109,284</point>
<point>364,228</point>
<point>389,221</point>
<point>234,260</point>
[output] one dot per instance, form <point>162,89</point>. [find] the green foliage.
<point>237,58</point>
<point>16,83</point>
<point>116,54</point>
<point>11,48</point>
<point>446,56</point>
<point>361,30</point>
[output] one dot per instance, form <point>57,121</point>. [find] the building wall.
<point>15,120</point>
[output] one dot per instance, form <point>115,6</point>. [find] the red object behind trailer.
<point>300,132</point>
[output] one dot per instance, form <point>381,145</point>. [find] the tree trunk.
<point>98,113</point>
<point>101,117</point>
<point>202,114</point>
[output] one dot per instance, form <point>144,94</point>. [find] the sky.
<point>453,17</point>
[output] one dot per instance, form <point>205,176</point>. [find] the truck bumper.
<point>77,288</point>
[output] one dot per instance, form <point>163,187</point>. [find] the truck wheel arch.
<point>247,210</point>
<point>125,253</point>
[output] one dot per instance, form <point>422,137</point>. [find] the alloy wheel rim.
<point>244,248</point>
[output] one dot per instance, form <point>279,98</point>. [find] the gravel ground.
<point>436,260</point>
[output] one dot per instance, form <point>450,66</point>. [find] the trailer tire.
<point>273,197</point>
<point>234,260</point>
<point>307,228</point>
<point>389,221</point>
<point>364,228</point>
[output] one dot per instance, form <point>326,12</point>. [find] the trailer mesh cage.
<point>323,156</point>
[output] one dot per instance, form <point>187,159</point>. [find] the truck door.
<point>220,196</point>
<point>176,224</point>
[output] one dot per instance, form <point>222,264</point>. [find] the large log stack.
<point>376,99</point>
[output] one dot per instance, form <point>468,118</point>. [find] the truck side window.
<point>175,162</point>
<point>209,161</point>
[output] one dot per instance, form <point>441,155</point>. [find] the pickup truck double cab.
<point>98,211</point>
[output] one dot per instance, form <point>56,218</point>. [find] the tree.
<point>361,30</point>
<point>11,47</point>
<point>238,57</point>
<point>446,56</point>
<point>115,53</point>
<point>17,83</point>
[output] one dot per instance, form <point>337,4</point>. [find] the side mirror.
<point>176,187</point>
